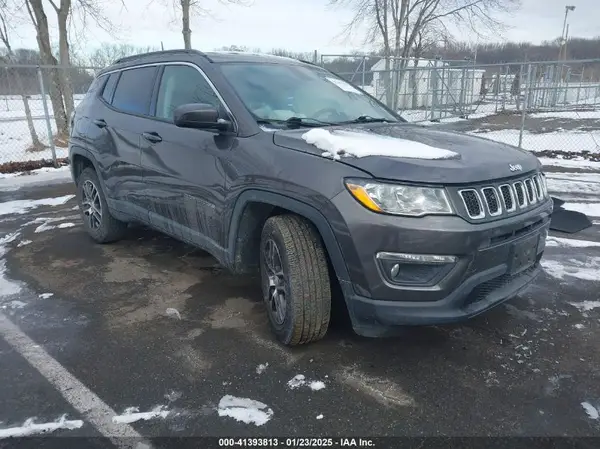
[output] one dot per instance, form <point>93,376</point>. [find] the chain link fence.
<point>35,107</point>
<point>551,108</point>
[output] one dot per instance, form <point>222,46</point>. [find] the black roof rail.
<point>157,53</point>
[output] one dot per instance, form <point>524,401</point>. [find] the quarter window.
<point>109,87</point>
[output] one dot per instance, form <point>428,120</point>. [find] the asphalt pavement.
<point>149,337</point>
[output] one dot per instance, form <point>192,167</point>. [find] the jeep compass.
<point>281,168</point>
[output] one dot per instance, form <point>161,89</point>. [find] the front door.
<point>183,177</point>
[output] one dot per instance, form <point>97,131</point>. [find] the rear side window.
<point>109,87</point>
<point>134,90</point>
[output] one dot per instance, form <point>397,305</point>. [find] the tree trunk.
<point>54,86</point>
<point>36,145</point>
<point>65,60</point>
<point>185,19</point>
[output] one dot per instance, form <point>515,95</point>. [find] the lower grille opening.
<point>482,291</point>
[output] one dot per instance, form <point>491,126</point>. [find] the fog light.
<point>414,269</point>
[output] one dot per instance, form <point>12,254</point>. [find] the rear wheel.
<point>97,220</point>
<point>295,280</point>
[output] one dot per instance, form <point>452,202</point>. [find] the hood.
<point>476,159</point>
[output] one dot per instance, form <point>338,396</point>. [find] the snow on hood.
<point>360,144</point>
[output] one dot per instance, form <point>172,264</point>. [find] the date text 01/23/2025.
<point>296,442</point>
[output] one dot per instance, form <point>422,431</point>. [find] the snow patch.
<point>591,411</point>
<point>16,304</point>
<point>299,380</point>
<point>261,368</point>
<point>46,295</point>
<point>173,313</point>
<point>579,162</point>
<point>574,243</point>
<point>24,206</point>
<point>338,143</point>
<point>586,305</point>
<point>320,416</point>
<point>23,243</point>
<point>133,414</point>
<point>29,427</point>
<point>7,287</point>
<point>579,326</point>
<point>316,385</point>
<point>14,181</point>
<point>245,410</point>
<point>588,270</point>
<point>589,209</point>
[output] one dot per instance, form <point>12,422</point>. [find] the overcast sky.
<point>298,25</point>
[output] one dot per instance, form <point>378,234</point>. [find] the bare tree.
<point>190,8</point>
<point>396,24</point>
<point>107,54</point>
<point>36,144</point>
<point>62,15</point>
<point>35,8</point>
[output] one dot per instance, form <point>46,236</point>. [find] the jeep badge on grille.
<point>515,167</point>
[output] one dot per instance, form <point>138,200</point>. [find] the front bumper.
<point>482,277</point>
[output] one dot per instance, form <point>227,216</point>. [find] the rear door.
<point>183,175</point>
<point>117,123</point>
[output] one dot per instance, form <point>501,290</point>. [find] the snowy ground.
<point>146,338</point>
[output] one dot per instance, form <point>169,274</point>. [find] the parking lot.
<point>149,337</point>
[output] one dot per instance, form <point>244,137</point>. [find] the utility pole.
<point>562,36</point>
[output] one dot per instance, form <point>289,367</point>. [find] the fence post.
<point>525,105</point>
<point>315,57</point>
<point>580,83</point>
<point>364,69</point>
<point>47,117</point>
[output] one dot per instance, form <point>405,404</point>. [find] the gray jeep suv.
<point>279,167</point>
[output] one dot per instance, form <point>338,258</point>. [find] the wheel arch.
<point>252,209</point>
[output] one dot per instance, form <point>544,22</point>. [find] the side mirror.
<point>199,116</point>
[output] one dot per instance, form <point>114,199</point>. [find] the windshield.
<point>274,92</point>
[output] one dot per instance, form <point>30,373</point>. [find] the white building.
<point>425,82</point>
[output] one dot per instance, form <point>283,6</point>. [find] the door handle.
<point>152,137</point>
<point>100,123</point>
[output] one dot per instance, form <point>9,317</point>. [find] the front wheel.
<point>295,280</point>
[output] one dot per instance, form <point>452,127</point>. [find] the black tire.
<point>106,229</point>
<point>306,282</point>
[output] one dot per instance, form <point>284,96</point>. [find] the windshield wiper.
<point>306,122</point>
<point>368,119</point>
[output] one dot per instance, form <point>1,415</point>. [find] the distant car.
<point>278,166</point>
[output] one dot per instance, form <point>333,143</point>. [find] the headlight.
<point>399,199</point>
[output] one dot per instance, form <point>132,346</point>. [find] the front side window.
<point>134,90</point>
<point>179,85</point>
<point>281,91</point>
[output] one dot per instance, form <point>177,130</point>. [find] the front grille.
<point>520,191</point>
<point>530,192</point>
<point>508,197</point>
<point>494,200</point>
<point>472,202</point>
<point>537,182</point>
